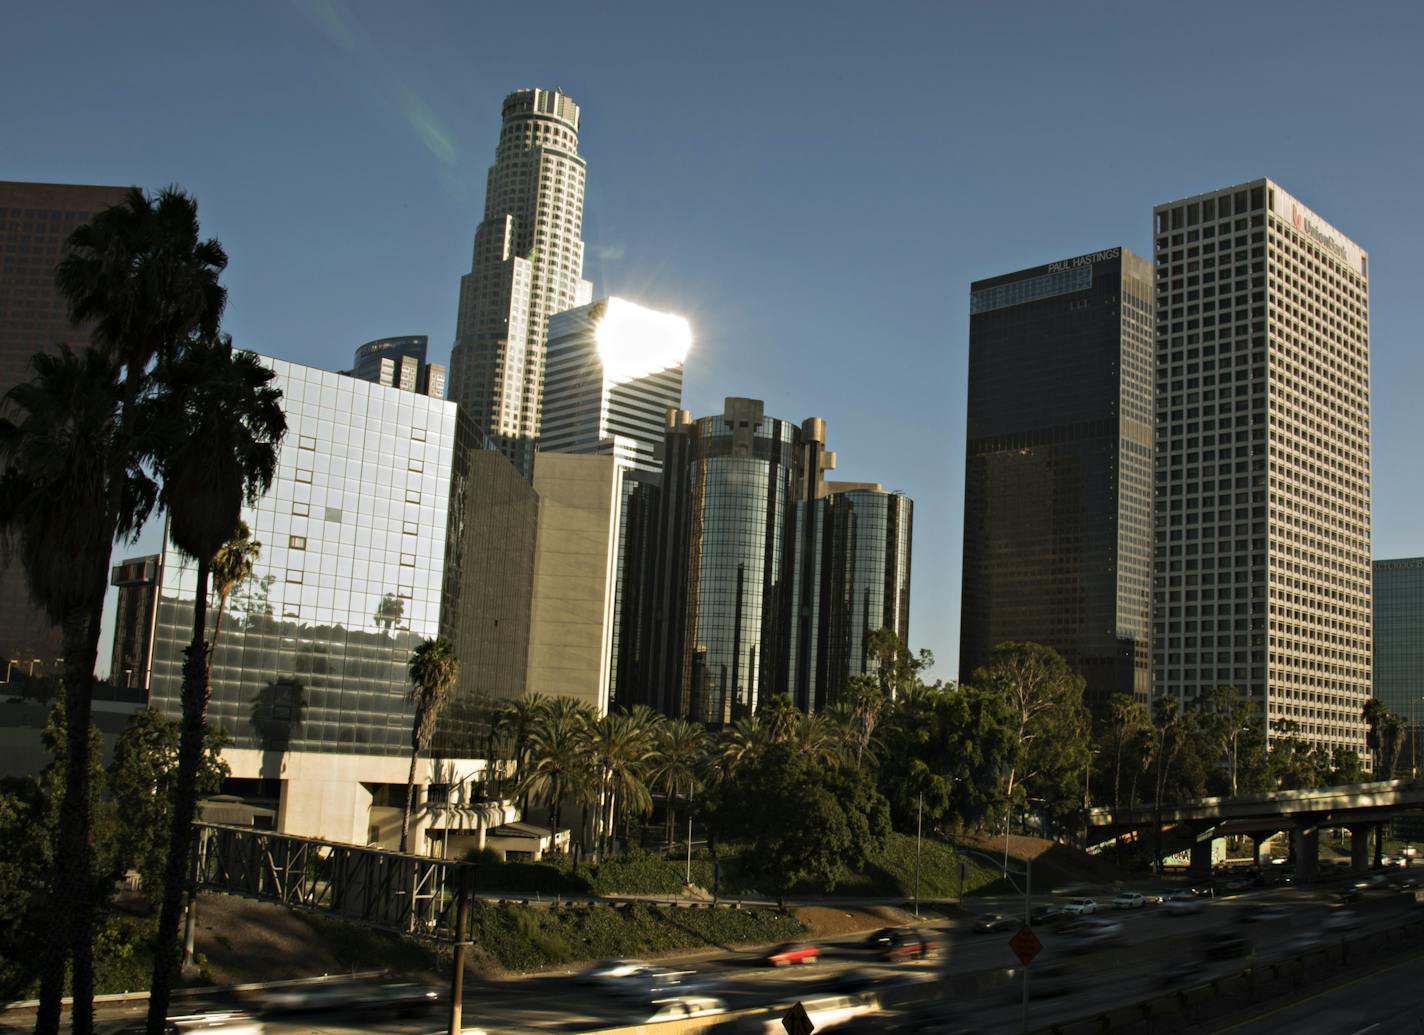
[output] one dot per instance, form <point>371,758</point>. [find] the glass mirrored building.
<point>1058,468</point>
<point>1399,642</point>
<point>400,363</point>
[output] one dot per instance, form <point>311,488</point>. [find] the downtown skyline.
<point>800,238</point>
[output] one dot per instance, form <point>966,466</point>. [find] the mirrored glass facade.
<point>313,649</point>
<point>1058,472</point>
<point>851,576</point>
<point>1399,637</point>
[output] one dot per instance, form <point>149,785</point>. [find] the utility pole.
<point>1028,885</point>
<point>462,929</point>
<point>919,831</point>
<point>689,847</point>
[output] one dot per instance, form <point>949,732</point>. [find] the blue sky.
<point>813,185</point>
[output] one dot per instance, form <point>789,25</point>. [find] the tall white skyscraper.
<point>527,265</point>
<point>614,370</point>
<point>1262,509</point>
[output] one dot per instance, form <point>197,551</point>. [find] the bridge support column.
<point>1360,846</point>
<point>1257,840</point>
<point>1305,844</point>
<point>1379,843</point>
<point>1200,865</point>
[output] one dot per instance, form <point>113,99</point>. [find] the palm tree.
<point>620,746</point>
<point>211,431</point>
<point>557,767</point>
<point>57,506</point>
<point>680,753</point>
<point>433,672</point>
<point>741,744</point>
<point>232,566</point>
<point>515,721</point>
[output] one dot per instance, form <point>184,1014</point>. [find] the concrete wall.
<point>571,617</point>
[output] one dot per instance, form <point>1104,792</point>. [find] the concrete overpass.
<point>1360,808</point>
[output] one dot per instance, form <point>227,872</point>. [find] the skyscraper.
<point>35,221</point>
<point>1262,546</point>
<point>614,369</point>
<point>137,582</point>
<point>527,265</point>
<point>400,363</point>
<point>1399,645</point>
<point>1058,467</point>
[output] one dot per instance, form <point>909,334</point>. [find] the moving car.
<point>1084,935</point>
<point>611,970</point>
<point>1341,920</point>
<point>1129,900</point>
<point>318,995</point>
<point>910,945</point>
<point>1226,946</point>
<point>827,1010</point>
<point>1183,902</point>
<point>1260,913</point>
<point>1043,914</point>
<point>686,1006</point>
<point>648,983</point>
<point>225,1022</point>
<point>990,922</point>
<point>1079,907</point>
<point>793,952</point>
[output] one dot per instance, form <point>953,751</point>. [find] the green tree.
<point>1386,737</point>
<point>143,778</point>
<point>60,502</point>
<point>434,670</point>
<point>807,824</point>
<point>211,431</point>
<point>677,765</point>
<point>1045,698</point>
<point>741,744</point>
<point>1127,718</point>
<point>557,767</point>
<point>619,748</point>
<point>1295,764</point>
<point>896,669</point>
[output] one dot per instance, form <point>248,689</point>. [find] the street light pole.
<point>919,831</point>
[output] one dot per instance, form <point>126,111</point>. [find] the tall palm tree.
<point>232,566</point>
<point>433,672</point>
<point>56,513</point>
<point>515,721</point>
<point>620,746</point>
<point>139,276</point>
<point>557,767</point>
<point>211,431</point>
<point>741,744</point>
<point>679,755</point>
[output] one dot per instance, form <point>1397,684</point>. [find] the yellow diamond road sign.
<point>796,1022</point>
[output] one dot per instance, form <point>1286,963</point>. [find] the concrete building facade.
<point>527,265</point>
<point>35,221</point>
<point>1262,548</point>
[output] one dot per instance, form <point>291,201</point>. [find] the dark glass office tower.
<point>1058,472</point>
<point>850,576</point>
<point>1399,644</point>
<point>400,363</point>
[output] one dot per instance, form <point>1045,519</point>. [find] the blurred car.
<point>1261,913</point>
<point>1350,895</point>
<point>217,1022</point>
<point>1340,920</point>
<point>1204,889</point>
<point>1044,914</point>
<point>910,945</point>
<point>1226,946</point>
<point>320,995</point>
<point>402,998</point>
<point>1153,898</point>
<point>684,1007</point>
<point>793,952</point>
<point>882,938</point>
<point>1183,902</point>
<point>611,970</point>
<point>994,922</point>
<point>1079,907</point>
<point>860,980</point>
<point>827,1010</point>
<point>1083,935</point>
<point>1180,973</point>
<point>649,983</point>
<point>1129,900</point>
<point>1049,980</point>
<point>1238,884</point>
<point>1303,943</point>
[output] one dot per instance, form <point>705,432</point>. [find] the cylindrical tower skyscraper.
<point>527,265</point>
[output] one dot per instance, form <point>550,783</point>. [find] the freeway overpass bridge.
<point>1361,808</point>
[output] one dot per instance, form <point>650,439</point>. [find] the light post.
<point>919,832</point>
<point>1087,793</point>
<point>1235,734</point>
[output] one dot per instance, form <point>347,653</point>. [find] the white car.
<point>1089,934</point>
<point>1129,900</point>
<point>612,970</point>
<point>1079,907</point>
<point>687,1006</point>
<point>1183,902</point>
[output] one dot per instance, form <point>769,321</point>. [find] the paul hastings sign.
<point>1084,260</point>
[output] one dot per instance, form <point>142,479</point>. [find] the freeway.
<point>970,984</point>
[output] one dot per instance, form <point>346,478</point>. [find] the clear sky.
<point>813,184</point>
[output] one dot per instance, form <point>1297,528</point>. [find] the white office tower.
<point>1262,506</point>
<point>614,370</point>
<point>527,265</point>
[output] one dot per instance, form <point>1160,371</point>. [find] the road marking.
<point>1367,1028</point>
<point>1325,991</point>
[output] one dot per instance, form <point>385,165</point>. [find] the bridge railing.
<point>407,893</point>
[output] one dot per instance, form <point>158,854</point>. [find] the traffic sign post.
<point>796,1021</point>
<point>1026,945</point>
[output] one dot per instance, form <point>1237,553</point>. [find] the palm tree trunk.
<point>217,628</point>
<point>409,800</point>
<point>185,807</point>
<point>72,907</point>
